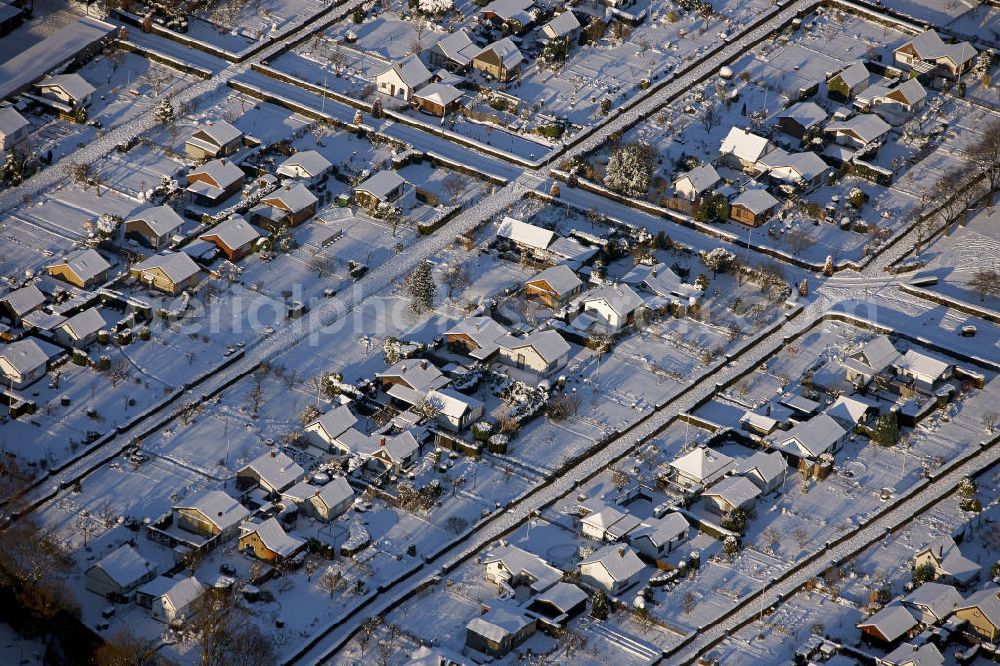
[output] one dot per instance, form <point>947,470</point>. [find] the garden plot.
<point>355,79</point>
<point>955,259</point>
<point>140,169</point>
<point>386,36</point>
<point>67,210</point>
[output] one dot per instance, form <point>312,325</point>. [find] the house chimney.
<point>653,272</point>
<point>621,551</point>
<point>274,454</point>
<point>477,327</point>
<point>381,443</point>
<point>423,364</point>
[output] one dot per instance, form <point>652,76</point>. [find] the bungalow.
<point>757,423</point>
<point>909,654</point>
<point>848,82</point>
<point>509,566</point>
<point>558,604</point>
<point>527,237</point>
<point>810,439</point>
<point>563,26</point>
<point>170,272</point>
<point>287,206</point>
<point>453,52</point>
<point>613,306</point>
<point>410,380</point>
<point>982,611</point>
<point>696,182</point>
<point>608,524</point>
<point>614,568</point>
<point>210,513</point>
<point>742,149</point>
<point>852,411</point>
<point>498,632</point>
<point>499,12</point>
<point>325,430</point>
<point>395,453</point>
<point>438,99</point>
<point>933,602</point>
<point>859,131</point>
<point>15,305</point>
<point>456,411</point>
<point>235,237</point>
<point>169,599</point>
<point>268,542</point>
<point>894,104</point>
<point>803,170</point>
<point>83,268</point>
<point>949,565</point>
<point>81,329</point>
<point>922,369</point>
<point>541,352</point>
<point>477,337</point>
<point>403,78</point>
<point>119,573</point>
<point>928,54</point>
<point>322,503</point>
<point>765,469</point>
<point>381,187</point>
<point>801,118</point>
<point>555,286</point>
<point>218,139</point>
<point>701,467</point>
<point>155,226</point>
<point>660,280</point>
<point>656,538</point>
<point>214,181</point>
<point>732,493</point>
<point>13,129</point>
<point>22,363</point>
<point>752,207</point>
<point>70,89</point>
<point>305,165</point>
<point>501,59</point>
<point>273,471</point>
<point>801,406</point>
<point>887,626</point>
<point>871,360</point>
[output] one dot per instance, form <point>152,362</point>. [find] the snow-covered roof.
<point>854,74</point>
<point>86,264</point>
<point>911,90</point>
<point>335,492</point>
<point>849,410</point>
<point>950,560</point>
<point>505,50</point>
<point>563,596</point>
<point>438,93</point>
<point>701,178</point>
<point>745,145</point>
<point>219,508</point>
<point>11,121</point>
<point>24,300</point>
<point>734,490</point>
<point>458,46</point>
<point>84,324</point>
<point>662,530</point>
<point>179,593</point>
<point>929,46</point>
<point>507,9</point>
<point>484,331</point>
<point>811,437</point>
<point>223,172</point>
<point>619,297</point>
<point>548,344</point>
<point>563,24</point>
<point>616,524</point>
<point>452,403</point>
<point>499,623</point>
<point>757,200</point>
<point>161,220</point>
<point>702,463</point>
<point>660,280</point>
<point>24,355</point>
<point>220,132</point>
<point>938,598</point>
<point>806,114</point>
<point>560,277</point>
<point>125,566</point>
<point>410,70</point>
<point>275,469</point>
<point>921,365</point>
<point>74,85</point>
<point>309,161</point>
<point>759,421</point>
<point>806,165</point>
<point>273,537</point>
<point>892,621</point>
<point>234,233</point>
<point>381,184</point>
<point>619,561</point>
<point>522,563</point>
<point>909,654</point>
<point>335,421</point>
<point>986,601</point>
<point>419,374</point>
<point>293,197</point>
<point>879,353</point>
<point>177,266</point>
<point>767,465</point>
<point>866,127</point>
<point>525,234</point>
<point>397,447</point>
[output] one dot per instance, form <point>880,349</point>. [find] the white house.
<point>948,562</point>
<point>22,363</point>
<point>510,566</point>
<point>923,369</point>
<point>608,524</point>
<point>70,89</point>
<point>457,411</point>
<point>403,78</point>
<point>169,598</point>
<point>696,182</point>
<point>656,538</point>
<point>858,131</point>
<point>562,26</point>
<point>614,568</point>
<point>13,129</point>
<point>306,165</point>
<point>119,573</point>
<point>871,360</point>
<point>809,439</point>
<point>765,469</point>
<point>702,466</point>
<point>742,149</point>
<point>324,431</point>
<point>81,329</point>
<point>541,352</point>
<point>933,602</point>
<point>454,52</point>
<point>612,306</point>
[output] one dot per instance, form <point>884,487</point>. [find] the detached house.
<point>859,131</point>
<point>22,363</point>
<point>20,302</point>
<point>886,627</point>
<point>120,573</point>
<point>752,207</point>
<point>949,565</point>
<point>403,78</point>
<point>501,60</point>
<point>456,410</point>
<point>154,227</point>
<point>928,54</point>
<point>306,165</point>
<point>563,26</point>
<point>209,514</point>
<point>541,352</point>
<point>287,206</point>
<point>13,129</point>
<point>614,568</point>
<point>932,602</point>
<point>509,566</point>
<point>215,181</point>
<point>894,104</point>
<point>170,272</point>
<point>801,118</point>
<point>438,99</point>
<point>322,503</point>
<point>803,171</point>
<point>702,467</point>
<point>381,187</point>
<point>656,538</point>
<point>218,139</point>
<point>477,337</point>
<point>453,52</point>
<point>871,360</point>
<point>608,524</point>
<point>810,439</point>
<point>923,370</point>
<point>527,237</point>
<point>169,598</point>
<point>555,286</point>
<point>909,654</point>
<point>499,12</point>
<point>81,329</point>
<point>235,237</point>
<point>661,281</point>
<point>325,430</point>
<point>83,268</point>
<point>499,631</point>
<point>410,380</point>
<point>696,182</point>
<point>732,493</point>
<point>273,471</point>
<point>267,541</point>
<point>742,149</point>
<point>982,611</point>
<point>848,82</point>
<point>612,306</point>
<point>765,469</point>
<point>69,90</point>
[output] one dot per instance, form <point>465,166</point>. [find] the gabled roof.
<point>161,220</point>
<point>619,561</point>
<point>702,178</point>
<point>507,9</point>
<point>807,165</point>
<point>811,437</point>
<point>930,46</point>
<point>866,127</point>
<point>919,363</point>
<point>335,492</point>
<point>849,410</point>
<point>563,24</point>
<point>178,593</point>
<point>234,233</point>
<point>294,198</point>
<point>275,469</point>
<point>661,530</point>
<point>220,132</point>
<point>10,121</point>
<point>911,90</point>
<point>410,71</point>
<point>219,508</point>
<point>438,93</point>
<point>522,563</point>
<point>987,602</point>
<point>702,463</point>
<point>86,264</point>
<point>757,200</point>
<point>734,490</point>
<point>879,353</point>
<point>125,566</point>
<point>660,280</point>
<point>525,234</point>
<point>767,465</point>
<point>452,403</point>
<point>560,277</point>
<point>854,74</point>
<point>223,172</point>
<point>24,355</point>
<point>24,300</point>
<point>177,266</point>
<point>806,114</point>
<point>73,85</point>
<point>309,161</point>
<point>611,522</point>
<point>499,623</point>
<point>84,323</point>
<point>548,344</point>
<point>891,622</point>
<point>484,331</point>
<point>273,537</point>
<point>505,50</point>
<point>419,374</point>
<point>909,654</point>
<point>939,599</point>
<point>745,145</point>
<point>563,596</point>
<point>619,297</point>
<point>381,183</point>
<point>336,421</point>
<point>456,47</point>
<point>950,560</point>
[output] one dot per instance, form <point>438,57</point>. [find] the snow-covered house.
<point>169,598</point>
<point>68,89</point>
<point>210,513</point>
<point>888,625</point>
<point>922,369</point>
<point>731,493</point>
<point>661,281</point>
<point>757,423</point>
<point>235,237</point>
<point>170,272</point>
<point>558,604</point>
<point>742,149</point>
<point>542,352</point>
<point>848,82</point>
<point>22,363</point>
<point>287,206</point>
<point>871,360</point>
<point>119,573</point>
<point>803,170</point>
<point>20,302</point>
<point>802,407</point>
<point>555,286</point>
<point>810,439</point>
<point>154,226</point>
<point>657,537</point>
<point>456,410</point>
<point>438,99</point>
<point>325,430</point>
<point>765,469</point>
<point>696,182</point>
<point>321,502</point>
<point>13,129</point>
<point>477,337</point>
<point>267,541</point>
<point>403,78</point>
<point>499,12</point>
<point>81,329</point>
<point>612,306</point>
<point>501,59</point>
<point>851,411</point>
<point>858,131</point>
<point>305,165</point>
<point>981,610</point>
<point>410,380</point>
<point>562,26</point>
<point>800,118</point>
<point>932,602</point>
<point>909,654</point>
<point>218,139</point>
<point>83,268</point>
<point>499,631</point>
<point>527,237</point>
<point>381,187</point>
<point>948,562</point>
<point>928,54</point>
<point>453,52</point>
<point>614,568</point>
<point>214,181</point>
<point>894,104</point>
<point>753,206</point>
<point>607,523</point>
<point>702,466</point>
<point>512,567</point>
<point>273,471</point>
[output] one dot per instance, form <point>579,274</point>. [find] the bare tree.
<point>85,526</point>
<point>332,581</point>
<point>986,282</point>
<point>990,420</point>
<point>118,371</point>
<point>709,117</point>
<point>322,264</point>
<point>456,277</point>
<point>338,60</point>
<point>453,187</point>
<point>255,398</point>
<point>985,155</point>
<point>368,629</point>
